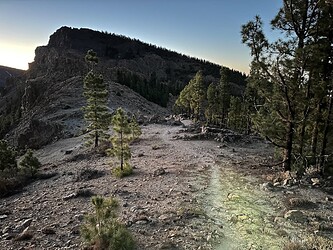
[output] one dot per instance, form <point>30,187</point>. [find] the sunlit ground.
<point>251,217</point>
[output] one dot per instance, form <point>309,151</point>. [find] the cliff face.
<point>6,73</point>
<point>48,100</point>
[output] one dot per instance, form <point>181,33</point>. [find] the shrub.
<point>102,230</point>
<point>127,170</point>
<point>310,243</point>
<point>7,157</point>
<point>30,164</point>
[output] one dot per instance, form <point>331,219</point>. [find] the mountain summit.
<point>46,104</point>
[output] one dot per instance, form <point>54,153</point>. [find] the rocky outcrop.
<point>7,73</point>
<point>48,101</point>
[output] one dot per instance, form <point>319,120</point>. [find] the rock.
<point>69,196</point>
<point>141,222</point>
<point>328,199</point>
<point>296,216</point>
<point>302,203</point>
<point>7,229</point>
<point>315,181</point>
<point>287,182</point>
<point>267,186</point>
<point>167,217</point>
<point>167,246</point>
<point>3,216</point>
<point>275,184</point>
<point>68,151</point>
<point>25,235</point>
<point>159,171</point>
<point>48,230</point>
<point>26,223</point>
<point>141,155</point>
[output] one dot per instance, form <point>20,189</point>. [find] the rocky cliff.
<point>46,104</point>
<point>6,73</point>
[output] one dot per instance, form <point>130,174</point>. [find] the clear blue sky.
<point>207,29</point>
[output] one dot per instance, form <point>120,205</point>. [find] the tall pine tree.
<point>96,112</point>
<point>292,77</point>
<point>192,97</point>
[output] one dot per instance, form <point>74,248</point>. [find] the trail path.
<point>184,194</point>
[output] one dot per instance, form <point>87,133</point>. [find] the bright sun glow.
<point>16,56</point>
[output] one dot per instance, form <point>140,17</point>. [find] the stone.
<point>24,224</point>
<point>296,216</point>
<point>267,186</point>
<point>48,230</point>
<point>3,216</point>
<point>141,222</point>
<point>159,171</point>
<point>69,196</point>
<point>167,217</point>
<point>286,182</point>
<point>25,235</point>
<point>68,151</point>
<point>315,181</point>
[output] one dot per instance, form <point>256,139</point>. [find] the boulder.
<point>159,171</point>
<point>296,216</point>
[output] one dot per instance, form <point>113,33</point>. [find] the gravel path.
<point>166,203</point>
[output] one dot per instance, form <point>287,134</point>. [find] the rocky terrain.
<point>7,72</point>
<point>46,103</point>
<point>191,188</point>
<point>184,194</point>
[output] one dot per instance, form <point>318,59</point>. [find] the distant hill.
<point>7,72</point>
<point>45,104</point>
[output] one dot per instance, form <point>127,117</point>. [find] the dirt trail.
<point>184,194</point>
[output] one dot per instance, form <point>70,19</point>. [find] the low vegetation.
<point>12,177</point>
<point>102,230</point>
<point>314,242</point>
<point>125,132</point>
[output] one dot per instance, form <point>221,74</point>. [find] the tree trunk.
<point>122,152</point>
<point>288,148</point>
<point>315,133</point>
<point>325,135</point>
<point>96,138</point>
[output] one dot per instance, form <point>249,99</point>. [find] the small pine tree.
<point>135,129</point>
<point>30,164</point>
<point>102,230</point>
<point>7,157</point>
<point>121,139</point>
<point>96,112</point>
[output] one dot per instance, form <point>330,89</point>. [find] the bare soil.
<point>184,194</point>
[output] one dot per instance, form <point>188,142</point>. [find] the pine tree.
<point>192,97</point>
<point>121,139</point>
<point>7,157</point>
<point>135,129</point>
<point>183,101</point>
<point>292,77</point>
<point>237,115</point>
<point>96,110</point>
<point>102,230</point>
<point>224,93</point>
<point>212,109</point>
<point>30,164</point>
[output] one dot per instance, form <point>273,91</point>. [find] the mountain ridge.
<point>45,104</point>
<point>9,72</point>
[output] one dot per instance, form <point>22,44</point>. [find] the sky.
<point>206,29</point>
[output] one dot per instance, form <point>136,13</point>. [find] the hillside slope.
<point>7,72</point>
<point>46,104</point>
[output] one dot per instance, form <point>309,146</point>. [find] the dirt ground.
<point>184,194</point>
